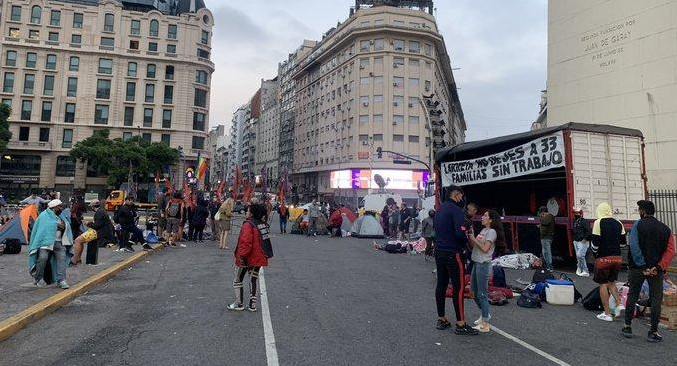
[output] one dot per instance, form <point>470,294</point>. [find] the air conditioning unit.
<point>394,123</point>
<point>395,84</point>
<point>411,105</point>
<point>399,49</point>
<point>371,42</point>
<point>395,104</point>
<point>366,104</point>
<point>364,143</point>
<point>371,74</point>
<point>361,67</point>
<point>427,88</point>
<point>396,65</point>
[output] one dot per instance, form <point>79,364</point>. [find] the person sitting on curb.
<point>51,242</point>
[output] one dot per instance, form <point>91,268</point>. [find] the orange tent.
<point>20,225</point>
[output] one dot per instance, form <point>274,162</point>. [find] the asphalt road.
<point>332,301</point>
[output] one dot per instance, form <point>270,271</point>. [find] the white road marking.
<point>271,349</point>
<point>530,347</point>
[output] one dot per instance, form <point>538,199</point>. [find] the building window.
<point>364,118</point>
<point>398,119</point>
<point>414,62</point>
<point>414,46</point>
<point>398,138</point>
<point>77,20</point>
<point>36,14</point>
<point>67,140</point>
<point>171,48</point>
<point>108,42</point>
<point>48,88</point>
<point>148,117</point>
<point>169,72</point>
<point>65,165</point>
<point>126,136</point>
<point>24,133</point>
<point>14,32</point>
<point>10,59</point>
<point>198,142</point>
<point>108,22</point>
<point>129,116</point>
<point>154,28</point>
<point>413,82</point>
<point>72,90</point>
<point>146,137</point>
<point>201,77</point>
<point>152,46</point>
<point>131,69</point>
<point>105,66</point>
<point>378,98</point>
<point>53,37</point>
<point>205,38</point>
<point>26,110</point>
<point>150,93</point>
<point>50,62</point>
<point>69,115</point>
<point>101,114</point>
<point>130,95</point>
<point>44,134</point>
<point>413,139</point>
<point>202,53</point>
<point>167,118</point>
<point>427,49</point>
<point>165,138</point>
<point>55,18</point>
<point>103,89</point>
<point>150,71</point>
<point>364,62</point>
<point>169,94</point>
<point>379,44</point>
<point>398,82</point>
<point>136,27</point>
<point>364,80</point>
<point>133,45</point>
<point>46,115</point>
<point>364,45</point>
<point>8,83</point>
<point>200,98</point>
<point>16,13</point>
<point>76,39</point>
<point>199,121</point>
<point>31,60</point>
<point>34,35</point>
<point>7,102</point>
<point>74,64</point>
<point>171,31</point>
<point>29,84</point>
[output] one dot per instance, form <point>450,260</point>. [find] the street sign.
<point>404,162</point>
<point>363,155</point>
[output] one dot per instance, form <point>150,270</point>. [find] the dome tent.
<point>366,227</point>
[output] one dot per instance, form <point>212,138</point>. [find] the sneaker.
<point>465,330</point>
<point>147,247</point>
<point>618,310</point>
<point>128,250</point>
<point>252,308</point>
<point>605,317</point>
<point>626,331</point>
<point>578,272</point>
<point>585,274</point>
<point>479,320</point>
<point>482,329</point>
<point>442,324</point>
<point>63,285</point>
<point>235,307</point>
<point>182,245</point>
<point>654,337</point>
<point>40,284</point>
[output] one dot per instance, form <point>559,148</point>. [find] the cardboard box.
<point>669,316</point>
<point>670,300</point>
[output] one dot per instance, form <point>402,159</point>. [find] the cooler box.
<point>559,292</point>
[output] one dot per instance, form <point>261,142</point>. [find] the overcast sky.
<point>499,46</point>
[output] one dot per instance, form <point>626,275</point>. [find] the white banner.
<point>538,155</point>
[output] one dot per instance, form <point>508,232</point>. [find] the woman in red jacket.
<point>249,255</point>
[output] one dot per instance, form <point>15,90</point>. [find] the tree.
<point>95,151</point>
<point>5,135</point>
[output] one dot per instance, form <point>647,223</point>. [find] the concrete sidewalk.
<point>17,291</point>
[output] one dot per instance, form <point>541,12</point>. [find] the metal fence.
<point>666,206</point>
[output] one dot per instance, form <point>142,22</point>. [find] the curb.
<point>17,322</point>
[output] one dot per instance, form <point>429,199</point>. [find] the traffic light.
<point>379,152</point>
<point>437,123</point>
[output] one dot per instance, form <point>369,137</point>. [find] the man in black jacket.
<point>581,234</point>
<point>652,248</point>
<point>99,230</point>
<point>126,217</point>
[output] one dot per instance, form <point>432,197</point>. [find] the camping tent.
<point>347,213</point>
<point>19,226</point>
<point>367,227</point>
<point>346,224</point>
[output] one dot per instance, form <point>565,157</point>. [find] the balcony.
<point>29,145</point>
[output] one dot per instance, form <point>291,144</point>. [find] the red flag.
<point>219,190</point>
<point>168,186</point>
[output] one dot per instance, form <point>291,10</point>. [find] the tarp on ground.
<point>20,225</point>
<point>366,227</point>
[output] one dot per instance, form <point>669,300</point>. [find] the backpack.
<point>593,301</point>
<point>529,300</point>
<point>542,276</point>
<point>11,246</point>
<point>174,209</point>
<point>497,298</point>
<point>264,234</point>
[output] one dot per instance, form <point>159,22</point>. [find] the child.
<point>305,222</point>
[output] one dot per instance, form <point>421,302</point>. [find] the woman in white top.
<point>483,246</point>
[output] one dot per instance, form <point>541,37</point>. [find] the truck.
<point>376,201</point>
<point>567,167</point>
<point>117,198</point>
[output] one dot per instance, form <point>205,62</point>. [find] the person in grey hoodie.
<point>428,233</point>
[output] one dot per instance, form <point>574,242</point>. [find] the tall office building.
<point>361,90</point>
<point>71,67</point>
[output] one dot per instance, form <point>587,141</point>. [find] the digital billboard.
<point>364,179</point>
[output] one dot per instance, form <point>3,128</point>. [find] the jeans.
<point>312,227</point>
<point>479,282</point>
<point>43,256</point>
<point>450,268</point>
<point>581,249</point>
<point>635,280</point>
<point>283,225</point>
<point>136,233</point>
<point>546,245</point>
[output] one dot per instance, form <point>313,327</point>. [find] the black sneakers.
<point>654,337</point>
<point>466,330</point>
<point>442,324</point>
<point>147,246</point>
<point>626,331</point>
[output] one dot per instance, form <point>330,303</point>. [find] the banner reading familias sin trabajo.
<point>538,155</point>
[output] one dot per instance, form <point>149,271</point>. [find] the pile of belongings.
<point>517,261</point>
<point>498,292</point>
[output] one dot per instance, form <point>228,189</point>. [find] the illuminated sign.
<point>364,179</point>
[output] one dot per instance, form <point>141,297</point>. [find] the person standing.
<point>405,220</point>
<point>77,211</point>
<point>428,233</point>
<point>414,217</point>
<point>225,220</point>
<point>314,215</point>
<point>249,256</point>
<point>483,247</point>
<point>174,212</point>
<point>547,230</point>
<point>200,221</point>
<point>99,229</point>
<point>385,221</point>
<point>283,211</point>
<point>51,240</point>
<point>450,245</point>
<point>652,249</point>
<point>581,234</point>
<point>213,209</point>
<point>393,220</point>
<point>607,233</point>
